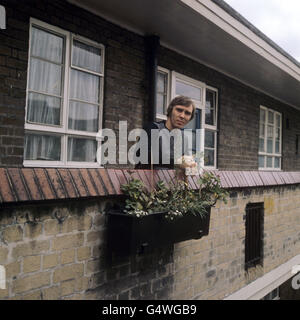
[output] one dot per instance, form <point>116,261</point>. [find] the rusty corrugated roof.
<point>36,184</point>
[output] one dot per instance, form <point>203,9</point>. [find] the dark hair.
<point>181,101</point>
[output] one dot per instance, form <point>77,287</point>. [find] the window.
<point>162,94</point>
<point>254,234</point>
<point>205,99</point>
<point>270,131</point>
<point>64,98</point>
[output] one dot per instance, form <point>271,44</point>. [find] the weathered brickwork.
<point>58,251</point>
<point>126,87</point>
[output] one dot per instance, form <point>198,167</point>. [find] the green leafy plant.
<point>177,200</point>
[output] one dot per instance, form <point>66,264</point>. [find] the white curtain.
<point>46,45</point>
<point>84,86</point>
<point>83,117</point>
<point>42,147</point>
<point>82,150</point>
<point>45,77</point>
<point>86,57</point>
<point>43,109</point>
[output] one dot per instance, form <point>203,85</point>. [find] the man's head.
<point>180,111</point>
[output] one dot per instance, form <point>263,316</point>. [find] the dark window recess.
<point>254,234</point>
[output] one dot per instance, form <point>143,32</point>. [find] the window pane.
<point>277,146</point>
<point>270,146</point>
<point>45,77</point>
<point>278,134</point>
<point>261,144</point>
<point>160,103</point>
<point>209,157</point>
<point>209,139</point>
<point>42,147</point>
<point>210,106</point>
<point>278,121</point>
<point>188,90</point>
<point>261,161</point>
<point>277,163</point>
<point>84,86</point>
<point>87,57</point>
<point>262,130</point>
<point>161,82</point>
<point>269,162</point>
<point>46,45</point>
<point>194,124</point>
<point>83,117</point>
<point>83,150</point>
<point>270,131</point>
<point>270,116</point>
<point>43,109</point>
<point>262,116</point>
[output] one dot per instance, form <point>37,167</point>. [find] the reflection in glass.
<point>269,162</point>
<point>210,105</point>
<point>160,103</point>
<point>209,139</point>
<point>161,82</point>
<point>261,161</point>
<point>270,116</point>
<point>262,116</point>
<point>188,90</point>
<point>209,157</point>
<point>261,145</point>
<point>194,124</point>
<point>277,162</point>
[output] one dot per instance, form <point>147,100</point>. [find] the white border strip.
<point>2,18</point>
<point>265,284</point>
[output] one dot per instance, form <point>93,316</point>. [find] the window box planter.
<point>128,234</point>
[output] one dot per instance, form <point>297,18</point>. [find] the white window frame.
<point>172,77</point>
<point>62,130</point>
<point>266,154</point>
<point>167,72</point>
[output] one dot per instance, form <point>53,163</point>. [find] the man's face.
<point>180,116</point>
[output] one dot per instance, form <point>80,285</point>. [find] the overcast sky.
<point>277,19</point>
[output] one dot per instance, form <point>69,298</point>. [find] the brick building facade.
<point>53,233</point>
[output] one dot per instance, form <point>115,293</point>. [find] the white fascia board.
<point>2,18</point>
<point>268,282</point>
<point>226,22</point>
